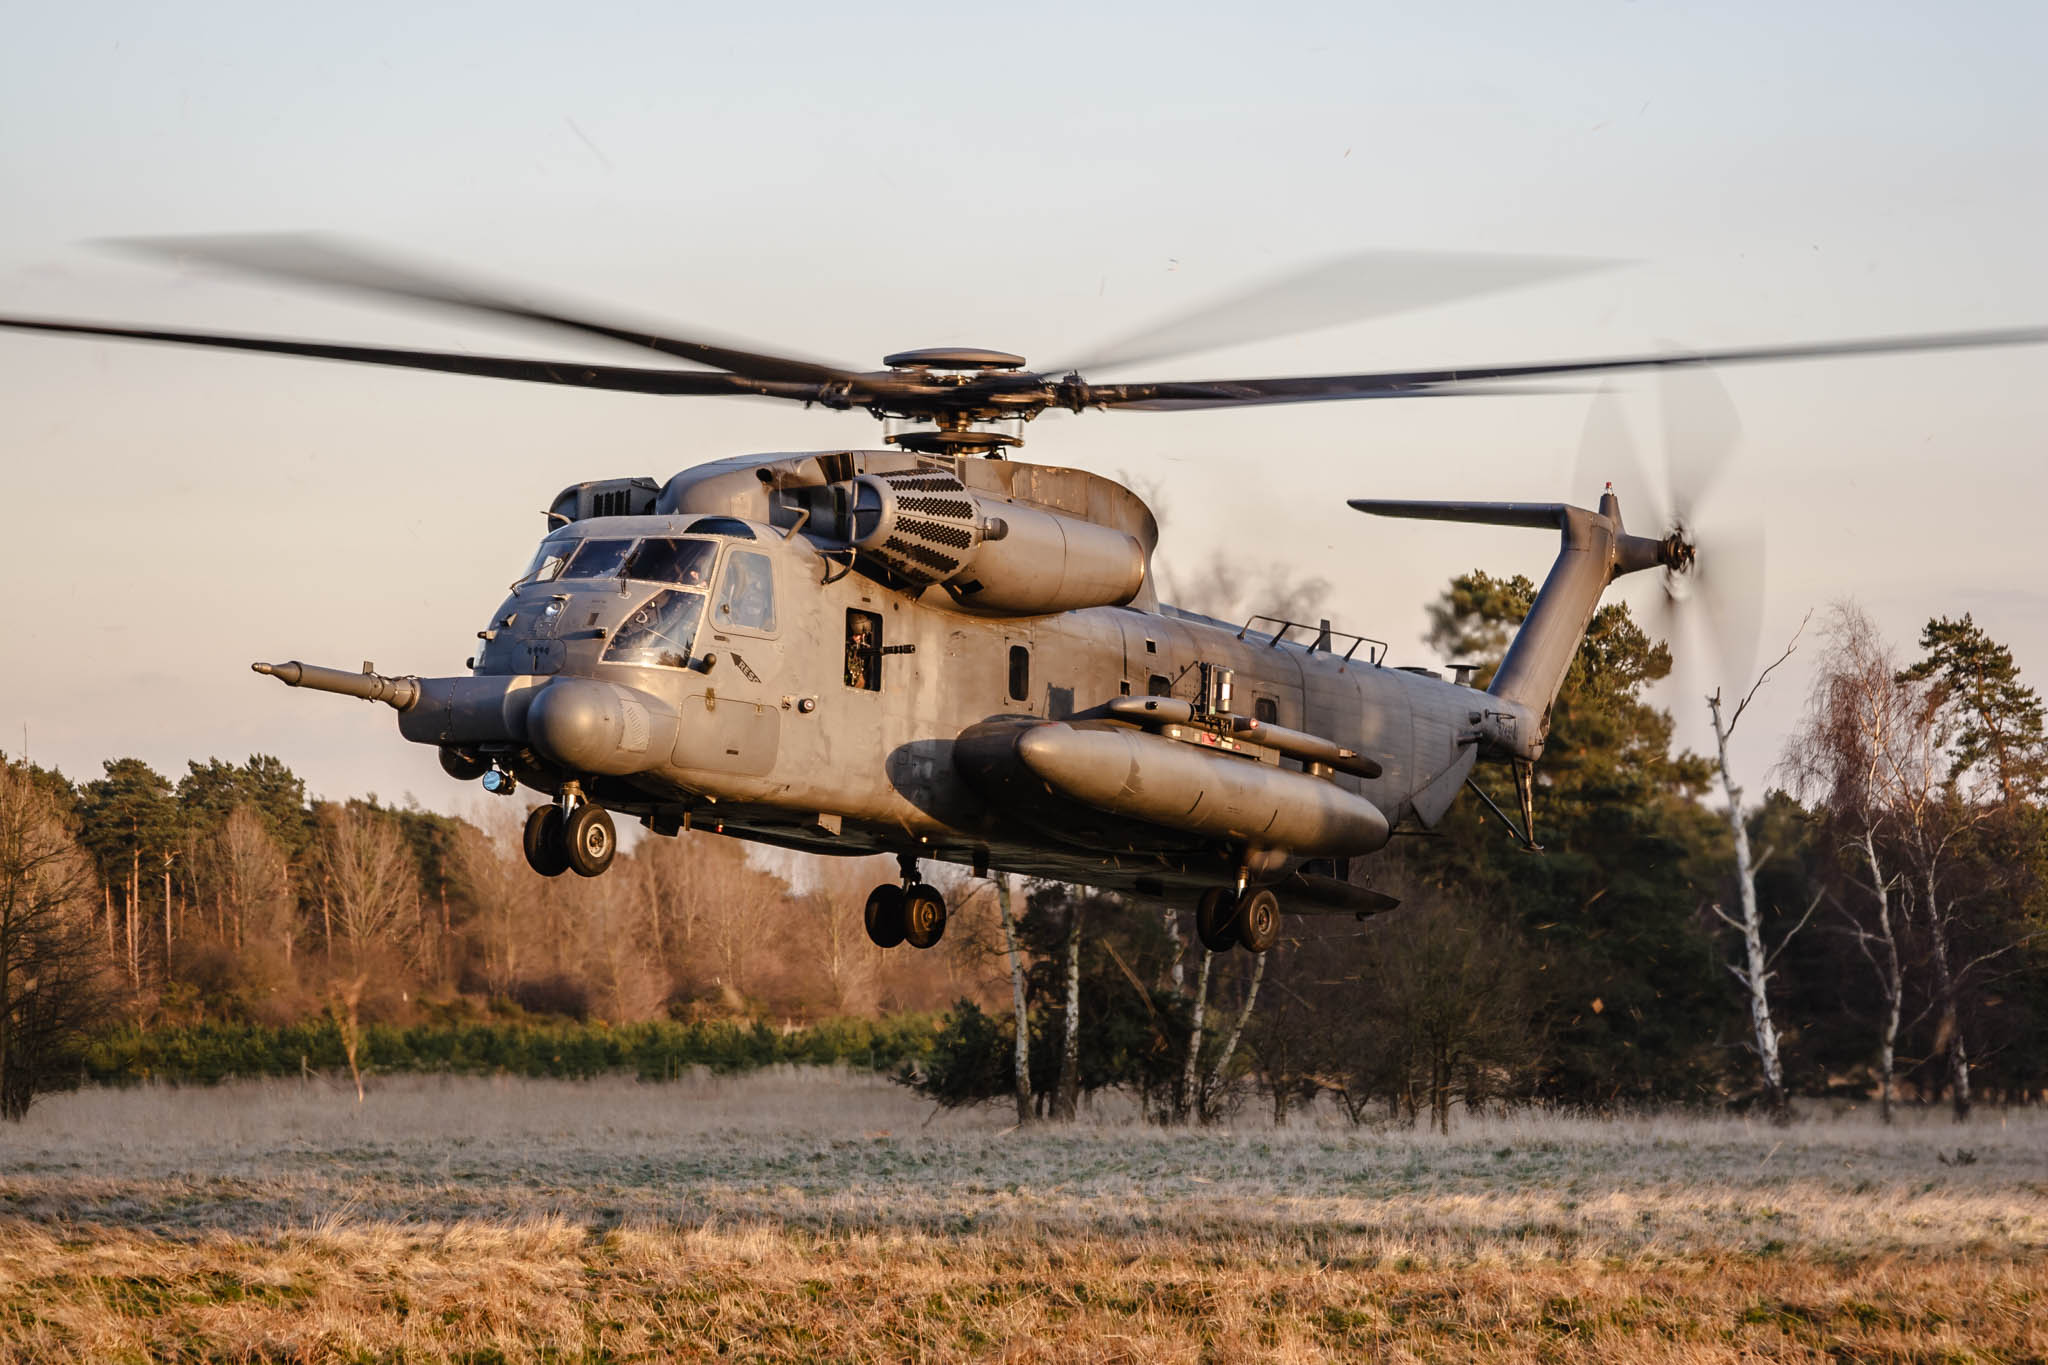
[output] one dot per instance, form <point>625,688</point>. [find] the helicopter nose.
<point>591,726</point>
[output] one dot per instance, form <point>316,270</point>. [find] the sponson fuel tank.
<point>1138,776</point>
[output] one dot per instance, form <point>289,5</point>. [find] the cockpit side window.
<point>684,562</point>
<point>597,559</point>
<point>659,631</point>
<point>746,596</point>
<point>548,560</point>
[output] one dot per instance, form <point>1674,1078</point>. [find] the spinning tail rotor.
<point>1714,567</point>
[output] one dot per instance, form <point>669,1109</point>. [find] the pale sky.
<point>850,180</point>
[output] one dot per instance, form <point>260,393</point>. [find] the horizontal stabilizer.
<point>1539,514</point>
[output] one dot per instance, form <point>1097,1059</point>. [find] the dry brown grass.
<point>818,1217</point>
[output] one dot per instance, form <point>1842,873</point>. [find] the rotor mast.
<point>959,423</point>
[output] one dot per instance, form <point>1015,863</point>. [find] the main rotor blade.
<point>1178,396</point>
<point>571,373</point>
<point>1368,284</point>
<point>308,258</point>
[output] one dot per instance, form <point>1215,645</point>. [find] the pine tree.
<point>1999,725</point>
<point>1607,915</point>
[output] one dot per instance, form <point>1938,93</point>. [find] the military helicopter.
<point>935,651</point>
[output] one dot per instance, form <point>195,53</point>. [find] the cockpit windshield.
<point>548,560</point>
<point>660,631</point>
<point>597,559</point>
<point>660,560</point>
<point>656,559</point>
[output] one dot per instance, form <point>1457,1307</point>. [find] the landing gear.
<point>924,915</point>
<point>545,851</point>
<point>573,833</point>
<point>1258,920</point>
<point>1216,919</point>
<point>1226,919</point>
<point>884,916</point>
<point>914,911</point>
<point>588,840</point>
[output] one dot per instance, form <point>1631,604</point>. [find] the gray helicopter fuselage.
<point>820,707</point>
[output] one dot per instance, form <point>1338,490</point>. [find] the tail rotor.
<point>1712,583</point>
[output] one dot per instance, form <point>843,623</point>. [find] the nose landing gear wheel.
<point>589,841</point>
<point>924,915</point>
<point>1216,919</point>
<point>542,842</point>
<point>884,916</point>
<point>1258,920</point>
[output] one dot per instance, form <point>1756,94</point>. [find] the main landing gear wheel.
<point>884,916</point>
<point>545,852</point>
<point>924,915</point>
<point>1258,920</point>
<point>1216,919</point>
<point>588,840</point>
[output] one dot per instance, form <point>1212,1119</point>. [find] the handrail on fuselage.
<point>1374,654</point>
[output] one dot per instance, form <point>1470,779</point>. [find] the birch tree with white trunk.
<point>1755,971</point>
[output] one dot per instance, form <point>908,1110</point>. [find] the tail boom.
<point>1596,550</point>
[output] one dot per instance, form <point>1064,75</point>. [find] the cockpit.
<point>684,561</point>
<point>660,629</point>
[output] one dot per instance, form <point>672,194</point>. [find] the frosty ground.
<point>824,1215</point>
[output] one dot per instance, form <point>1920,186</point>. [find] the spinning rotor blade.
<point>1368,284</point>
<point>1224,393</point>
<point>306,258</point>
<point>1723,589</point>
<point>572,373</point>
<point>1729,588</point>
<point>1701,431</point>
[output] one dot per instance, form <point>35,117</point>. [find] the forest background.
<point>217,923</point>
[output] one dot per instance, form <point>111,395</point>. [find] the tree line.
<point>1897,942</point>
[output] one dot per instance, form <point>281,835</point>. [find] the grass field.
<point>825,1216</point>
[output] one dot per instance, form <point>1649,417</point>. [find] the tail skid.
<point>1597,549</point>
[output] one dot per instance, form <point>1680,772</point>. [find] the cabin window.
<point>863,650</point>
<point>1059,702</point>
<point>1158,685</point>
<point>746,598</point>
<point>1020,673</point>
<point>1266,711</point>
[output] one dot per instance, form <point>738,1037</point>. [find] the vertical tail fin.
<point>1596,551</point>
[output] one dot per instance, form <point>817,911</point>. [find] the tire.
<point>542,841</point>
<point>1216,919</point>
<point>1258,920</point>
<point>924,916</point>
<point>884,916</point>
<point>588,840</point>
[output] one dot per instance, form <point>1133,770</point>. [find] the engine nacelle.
<point>1001,558</point>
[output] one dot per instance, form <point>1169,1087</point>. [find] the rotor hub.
<point>1680,556</point>
<point>953,358</point>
